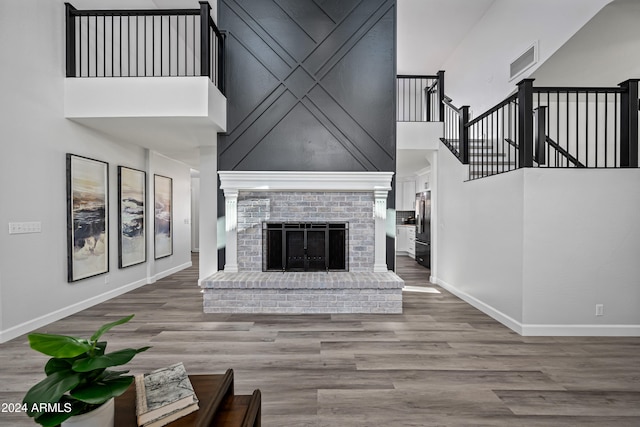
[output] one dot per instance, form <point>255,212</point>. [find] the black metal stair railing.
<point>492,135</point>
<point>454,131</point>
<point>419,98</point>
<point>553,127</point>
<point>144,43</point>
<point>581,127</point>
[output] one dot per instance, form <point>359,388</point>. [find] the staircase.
<point>485,157</point>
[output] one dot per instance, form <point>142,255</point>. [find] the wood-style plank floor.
<point>440,363</point>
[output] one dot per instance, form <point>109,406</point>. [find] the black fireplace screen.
<point>305,246</point>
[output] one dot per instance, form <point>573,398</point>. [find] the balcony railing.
<point>144,43</point>
<point>419,98</point>
<point>553,127</point>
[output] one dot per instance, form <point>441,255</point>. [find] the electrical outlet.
<point>599,309</point>
<point>106,279</point>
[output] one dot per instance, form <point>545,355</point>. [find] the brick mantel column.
<point>380,217</point>
<point>231,228</point>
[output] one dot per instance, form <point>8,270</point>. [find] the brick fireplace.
<point>253,200</point>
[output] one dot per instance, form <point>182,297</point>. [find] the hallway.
<point>441,362</point>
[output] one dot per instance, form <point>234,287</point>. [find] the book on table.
<point>164,395</point>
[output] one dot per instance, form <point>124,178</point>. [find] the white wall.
<point>195,211</point>
<point>418,135</point>
<point>480,238</point>
<point>181,175</point>
<point>36,138</point>
<point>603,53</point>
<point>581,248</point>
<point>537,249</point>
<point>477,72</point>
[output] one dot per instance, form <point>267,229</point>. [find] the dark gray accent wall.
<point>310,85</point>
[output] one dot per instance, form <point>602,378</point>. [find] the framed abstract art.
<point>162,220</point>
<point>87,218</point>
<point>132,196</point>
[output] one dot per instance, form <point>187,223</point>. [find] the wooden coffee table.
<point>218,405</point>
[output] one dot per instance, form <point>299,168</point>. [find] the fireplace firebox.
<point>305,246</point>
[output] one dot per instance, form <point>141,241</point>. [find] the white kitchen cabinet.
<point>422,181</point>
<point>411,241</point>
<point>405,195</point>
<point>406,239</point>
<point>409,195</point>
<point>402,239</point>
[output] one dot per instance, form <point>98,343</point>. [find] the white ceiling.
<point>408,162</point>
<point>429,31</point>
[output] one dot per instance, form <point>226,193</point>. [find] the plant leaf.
<point>52,388</point>
<point>100,391</point>
<point>116,358</point>
<point>60,346</point>
<point>110,375</point>
<point>57,365</point>
<point>105,328</point>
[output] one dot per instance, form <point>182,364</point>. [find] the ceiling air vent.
<point>524,62</point>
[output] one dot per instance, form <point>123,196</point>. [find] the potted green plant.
<point>78,381</point>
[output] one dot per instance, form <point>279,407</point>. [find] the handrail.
<point>447,101</point>
<point>431,88</point>
<point>135,12</point>
<point>564,89</point>
<point>214,27</point>
<point>492,110</point>
<point>511,142</point>
<point>564,152</point>
<point>415,76</point>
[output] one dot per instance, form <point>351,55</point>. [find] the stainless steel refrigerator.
<point>423,228</point>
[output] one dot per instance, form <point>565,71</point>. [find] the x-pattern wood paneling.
<point>310,84</point>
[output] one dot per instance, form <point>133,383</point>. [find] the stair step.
<point>474,146</point>
<point>457,141</point>
<point>492,163</point>
<point>239,410</point>
<point>486,155</point>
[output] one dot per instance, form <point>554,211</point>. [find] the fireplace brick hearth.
<point>333,292</point>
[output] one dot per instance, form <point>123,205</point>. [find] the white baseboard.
<point>532,330</point>
<point>506,320</point>
<point>26,327</point>
<point>581,330</point>
<point>171,271</point>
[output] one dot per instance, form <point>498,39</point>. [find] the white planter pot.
<point>103,416</point>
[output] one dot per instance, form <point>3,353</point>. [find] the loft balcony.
<point>419,111</point>
<point>151,77</point>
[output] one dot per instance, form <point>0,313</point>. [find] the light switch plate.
<point>25,227</point>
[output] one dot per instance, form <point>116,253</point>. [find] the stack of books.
<point>163,396</point>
